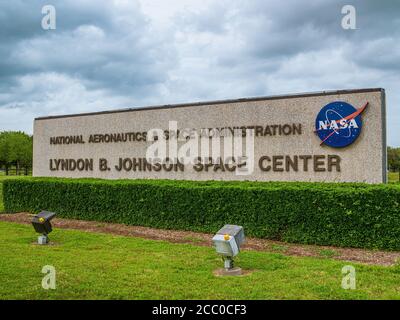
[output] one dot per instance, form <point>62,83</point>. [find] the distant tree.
<point>393,155</point>
<point>15,149</point>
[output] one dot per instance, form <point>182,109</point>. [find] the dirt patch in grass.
<point>223,273</point>
<point>375,257</point>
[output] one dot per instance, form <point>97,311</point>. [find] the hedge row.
<point>350,215</point>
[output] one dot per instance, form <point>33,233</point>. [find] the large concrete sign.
<point>327,136</point>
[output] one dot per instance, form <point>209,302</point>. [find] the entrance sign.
<point>332,136</point>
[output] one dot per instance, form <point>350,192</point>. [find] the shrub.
<point>351,215</point>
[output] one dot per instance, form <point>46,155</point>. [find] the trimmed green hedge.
<point>350,215</point>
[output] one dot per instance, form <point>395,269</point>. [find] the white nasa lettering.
<point>353,124</point>
<point>343,124</point>
<point>323,125</point>
<point>334,125</point>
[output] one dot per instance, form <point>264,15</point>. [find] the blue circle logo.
<point>339,124</point>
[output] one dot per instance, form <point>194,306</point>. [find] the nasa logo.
<point>338,124</point>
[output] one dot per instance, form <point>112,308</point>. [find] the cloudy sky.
<point>108,54</point>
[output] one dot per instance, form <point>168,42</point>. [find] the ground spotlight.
<point>227,243</point>
<point>42,225</point>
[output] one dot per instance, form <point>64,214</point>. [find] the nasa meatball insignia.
<point>339,124</point>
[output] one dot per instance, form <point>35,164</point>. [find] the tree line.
<point>16,151</point>
<point>393,155</point>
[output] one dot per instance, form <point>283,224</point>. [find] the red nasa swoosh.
<point>349,117</point>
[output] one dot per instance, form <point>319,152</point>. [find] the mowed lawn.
<point>102,266</point>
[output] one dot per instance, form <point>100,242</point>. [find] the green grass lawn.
<point>100,266</point>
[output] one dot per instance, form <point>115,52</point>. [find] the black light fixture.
<point>42,225</point>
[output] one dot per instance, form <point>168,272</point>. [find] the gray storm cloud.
<point>112,54</point>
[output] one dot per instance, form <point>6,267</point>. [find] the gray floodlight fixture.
<point>42,225</point>
<point>227,243</point>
